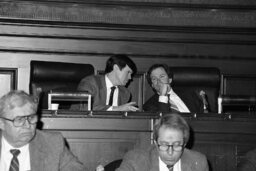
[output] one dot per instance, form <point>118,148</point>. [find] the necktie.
<point>110,102</point>
<point>170,167</point>
<point>14,166</point>
<point>174,107</point>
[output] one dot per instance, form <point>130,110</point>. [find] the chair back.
<point>46,76</point>
<point>198,79</point>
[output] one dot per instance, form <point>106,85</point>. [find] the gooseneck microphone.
<point>205,101</point>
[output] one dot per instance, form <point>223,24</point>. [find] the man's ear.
<point>116,67</point>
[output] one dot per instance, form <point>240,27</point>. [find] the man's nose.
<point>27,124</point>
<point>170,150</point>
<point>158,81</point>
<point>129,76</point>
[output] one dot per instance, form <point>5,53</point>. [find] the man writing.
<point>109,91</point>
<point>166,99</point>
<point>25,148</point>
<point>171,134</point>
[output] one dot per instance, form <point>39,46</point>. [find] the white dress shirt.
<point>176,100</point>
<point>115,96</point>
<point>6,156</point>
<point>163,166</point>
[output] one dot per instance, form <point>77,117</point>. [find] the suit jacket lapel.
<point>102,89</point>
<point>38,156</point>
<point>154,163</point>
<point>184,96</point>
<point>122,95</point>
<point>186,162</point>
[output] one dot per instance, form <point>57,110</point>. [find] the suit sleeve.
<point>68,161</point>
<point>89,84</point>
<point>134,161</point>
<point>153,105</point>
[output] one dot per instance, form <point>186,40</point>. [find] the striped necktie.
<point>14,166</point>
<point>170,167</point>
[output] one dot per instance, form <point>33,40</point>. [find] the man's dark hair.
<point>172,121</point>
<point>155,66</point>
<point>121,61</point>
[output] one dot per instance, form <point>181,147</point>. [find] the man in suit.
<point>166,99</point>
<point>118,72</point>
<point>22,147</point>
<point>171,134</point>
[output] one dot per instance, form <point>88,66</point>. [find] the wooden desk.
<point>101,137</point>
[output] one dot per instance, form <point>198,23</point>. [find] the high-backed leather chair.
<point>198,79</point>
<point>46,76</point>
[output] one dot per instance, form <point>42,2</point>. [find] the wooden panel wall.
<point>217,33</point>
<point>102,137</point>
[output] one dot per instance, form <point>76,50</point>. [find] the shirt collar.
<point>109,84</point>
<point>163,166</point>
<point>171,91</point>
<point>6,146</point>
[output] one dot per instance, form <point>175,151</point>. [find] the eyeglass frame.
<point>154,80</point>
<point>26,118</point>
<point>171,145</point>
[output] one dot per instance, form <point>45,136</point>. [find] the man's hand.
<point>99,168</point>
<point>164,88</point>
<point>126,107</point>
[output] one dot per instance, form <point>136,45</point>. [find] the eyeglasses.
<point>175,147</point>
<point>161,79</point>
<point>20,120</point>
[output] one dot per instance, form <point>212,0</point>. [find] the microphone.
<point>205,101</point>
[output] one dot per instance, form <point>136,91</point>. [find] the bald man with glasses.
<point>22,146</point>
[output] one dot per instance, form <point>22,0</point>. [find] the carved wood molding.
<point>137,13</point>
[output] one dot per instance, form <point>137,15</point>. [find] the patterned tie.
<point>170,167</point>
<point>14,166</point>
<point>110,102</point>
<point>174,107</point>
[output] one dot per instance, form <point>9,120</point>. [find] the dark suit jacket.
<point>49,153</point>
<point>191,100</point>
<point>147,160</point>
<point>96,85</point>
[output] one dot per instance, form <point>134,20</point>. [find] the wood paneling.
<point>101,140</point>
<point>246,84</point>
<point>210,33</point>
<point>102,137</point>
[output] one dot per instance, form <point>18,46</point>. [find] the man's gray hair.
<point>174,121</point>
<point>16,98</point>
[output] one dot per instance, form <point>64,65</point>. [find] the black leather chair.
<point>199,79</point>
<point>46,76</point>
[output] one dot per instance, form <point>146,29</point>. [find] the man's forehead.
<point>169,133</point>
<point>158,71</point>
<point>23,110</point>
